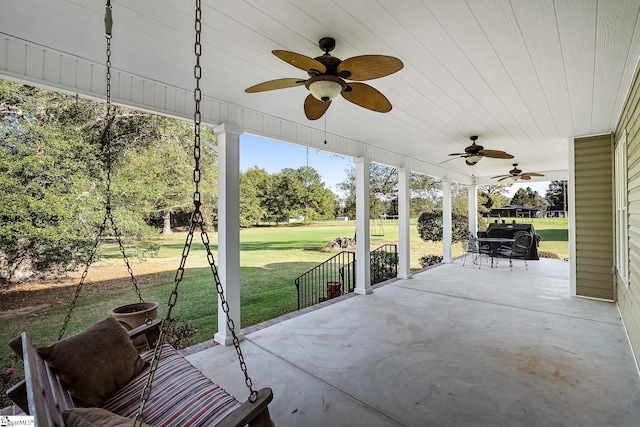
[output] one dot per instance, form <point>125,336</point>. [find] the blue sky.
<point>273,156</point>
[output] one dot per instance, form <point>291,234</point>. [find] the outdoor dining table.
<point>494,245</point>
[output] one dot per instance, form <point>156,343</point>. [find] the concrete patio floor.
<point>453,346</point>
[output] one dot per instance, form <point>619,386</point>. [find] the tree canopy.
<point>492,196</point>
<point>556,193</point>
<point>529,198</point>
<point>425,192</point>
<point>52,175</point>
<point>290,193</point>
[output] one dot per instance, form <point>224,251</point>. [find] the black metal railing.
<point>332,278</point>
<point>384,263</point>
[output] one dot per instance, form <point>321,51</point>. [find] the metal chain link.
<point>92,254</point>
<point>111,113</point>
<point>105,143</point>
<point>196,221</point>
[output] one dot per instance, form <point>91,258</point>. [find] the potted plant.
<point>133,315</point>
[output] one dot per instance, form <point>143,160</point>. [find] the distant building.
<point>515,211</point>
<point>555,212</point>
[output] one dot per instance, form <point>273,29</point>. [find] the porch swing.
<point>97,377</point>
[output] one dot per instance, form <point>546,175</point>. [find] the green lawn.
<point>271,258</point>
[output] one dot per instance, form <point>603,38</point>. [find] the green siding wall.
<point>594,216</point>
<point>629,296</point>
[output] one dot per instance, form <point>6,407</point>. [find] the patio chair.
<point>476,250</point>
<point>519,249</point>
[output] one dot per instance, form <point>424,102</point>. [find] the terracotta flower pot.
<point>133,315</point>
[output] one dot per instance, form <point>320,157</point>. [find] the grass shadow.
<point>554,235</point>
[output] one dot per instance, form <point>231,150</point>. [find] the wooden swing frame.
<point>42,395</point>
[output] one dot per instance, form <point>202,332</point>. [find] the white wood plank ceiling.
<point>524,75</point>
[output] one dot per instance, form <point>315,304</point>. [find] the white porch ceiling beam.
<point>38,65</point>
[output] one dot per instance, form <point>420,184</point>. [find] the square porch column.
<point>363,252</point>
<point>229,229</point>
<point>404,231</point>
<point>446,221</point>
<point>473,209</point>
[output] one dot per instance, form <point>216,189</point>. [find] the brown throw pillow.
<point>95,417</point>
<point>96,362</point>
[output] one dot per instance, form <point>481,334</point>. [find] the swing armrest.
<point>255,414</point>
<point>149,331</point>
<point>18,394</point>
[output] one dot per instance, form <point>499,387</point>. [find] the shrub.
<point>384,266</point>
<point>180,333</point>
<point>429,260</point>
<point>430,226</point>
<point>543,254</point>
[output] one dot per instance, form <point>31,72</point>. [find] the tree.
<point>529,198</point>
<point>459,199</point>
<point>47,172</point>
<point>156,178</point>
<point>492,196</point>
<point>383,184</point>
<point>52,174</point>
<point>556,193</point>
<point>255,184</point>
<point>425,194</point>
<point>299,192</point>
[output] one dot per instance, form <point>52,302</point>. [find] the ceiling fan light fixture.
<point>325,88</point>
<point>474,159</point>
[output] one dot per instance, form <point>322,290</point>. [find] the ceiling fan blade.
<point>445,161</point>
<point>506,177</point>
<point>368,67</point>
<point>368,97</point>
<point>274,84</point>
<point>458,154</point>
<point>313,108</point>
<point>300,61</point>
<point>532,174</point>
<point>496,154</point>
<point>500,176</point>
<point>525,177</point>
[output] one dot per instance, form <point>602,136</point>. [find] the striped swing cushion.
<point>181,395</point>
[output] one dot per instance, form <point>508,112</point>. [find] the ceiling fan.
<point>517,174</point>
<point>474,153</point>
<point>327,75</point>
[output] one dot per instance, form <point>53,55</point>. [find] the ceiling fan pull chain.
<point>325,129</point>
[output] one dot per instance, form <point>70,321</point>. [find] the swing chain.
<point>111,115</point>
<point>105,141</point>
<point>195,221</point>
<point>67,318</point>
<point>197,214</point>
<point>173,297</point>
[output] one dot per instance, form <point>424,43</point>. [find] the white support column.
<point>404,241</point>
<point>473,209</point>
<point>229,229</point>
<point>363,257</point>
<point>446,221</point>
